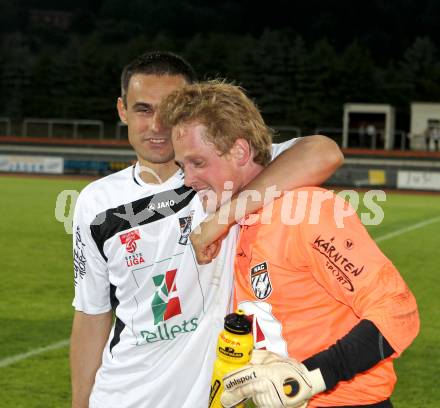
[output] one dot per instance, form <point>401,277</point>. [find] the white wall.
<point>420,114</point>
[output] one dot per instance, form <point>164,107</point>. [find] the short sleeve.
<point>278,148</point>
<point>92,286</point>
<point>346,261</point>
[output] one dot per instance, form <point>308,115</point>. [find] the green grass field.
<point>37,290</point>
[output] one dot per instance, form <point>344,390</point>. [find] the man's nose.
<point>156,126</point>
<point>190,179</point>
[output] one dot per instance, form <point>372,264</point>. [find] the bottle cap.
<point>238,323</point>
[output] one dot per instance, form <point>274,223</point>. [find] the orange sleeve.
<point>349,265</point>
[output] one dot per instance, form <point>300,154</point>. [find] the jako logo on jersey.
<point>129,240</point>
<point>185,228</point>
<point>161,204</point>
<point>166,303</point>
<point>260,280</point>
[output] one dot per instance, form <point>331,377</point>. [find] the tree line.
<point>293,81</point>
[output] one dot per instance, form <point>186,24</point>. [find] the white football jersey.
<point>132,254</point>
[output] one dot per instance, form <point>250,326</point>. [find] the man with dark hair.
<point>133,259</point>
<point>156,63</point>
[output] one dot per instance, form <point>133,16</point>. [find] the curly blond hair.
<point>225,110</point>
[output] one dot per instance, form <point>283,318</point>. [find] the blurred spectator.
<point>370,130</point>
<point>361,133</point>
<point>432,137</point>
<point>435,135</point>
<point>427,134</point>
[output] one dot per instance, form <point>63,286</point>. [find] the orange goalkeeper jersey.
<point>307,283</point>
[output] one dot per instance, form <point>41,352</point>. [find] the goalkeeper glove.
<point>272,382</point>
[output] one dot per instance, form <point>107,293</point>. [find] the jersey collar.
<point>137,178</point>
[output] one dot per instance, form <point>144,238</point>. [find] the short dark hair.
<point>156,63</point>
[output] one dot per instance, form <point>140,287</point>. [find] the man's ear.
<point>241,151</point>
<point>122,111</point>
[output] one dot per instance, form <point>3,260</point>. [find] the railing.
<point>119,126</point>
<point>7,123</point>
<point>371,140</point>
<point>402,138</point>
<point>291,130</point>
<point>75,123</point>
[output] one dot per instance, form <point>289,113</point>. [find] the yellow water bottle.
<point>234,347</point>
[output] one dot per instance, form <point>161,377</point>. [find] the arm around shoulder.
<point>311,161</point>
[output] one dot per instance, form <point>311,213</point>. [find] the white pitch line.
<point>14,359</point>
<point>407,229</point>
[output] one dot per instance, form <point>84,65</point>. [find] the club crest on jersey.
<point>260,280</point>
<point>129,240</point>
<point>185,228</point>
